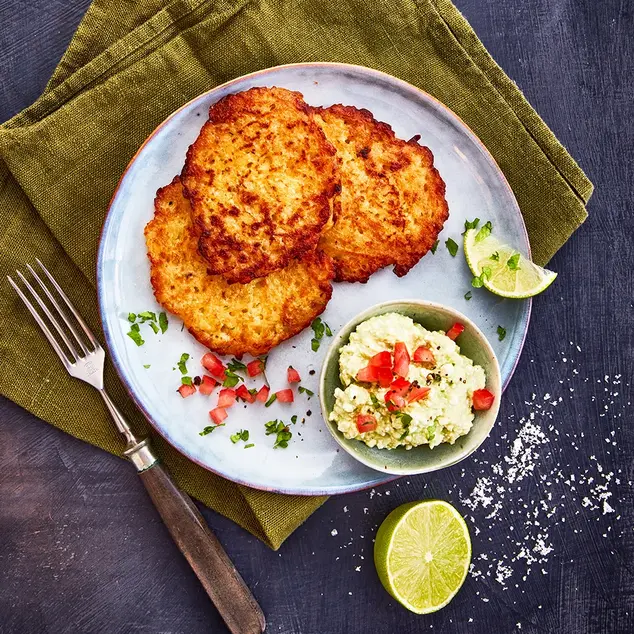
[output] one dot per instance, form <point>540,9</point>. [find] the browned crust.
<point>240,174</point>
<point>229,318</point>
<point>392,206</point>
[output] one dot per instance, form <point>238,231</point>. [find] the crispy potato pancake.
<point>229,318</point>
<point>392,204</point>
<point>260,178</point>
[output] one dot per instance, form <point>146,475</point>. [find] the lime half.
<point>502,269</point>
<point>422,554</point>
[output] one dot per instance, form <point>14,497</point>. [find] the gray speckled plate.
<point>313,464</point>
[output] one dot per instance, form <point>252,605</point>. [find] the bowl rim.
<point>494,378</point>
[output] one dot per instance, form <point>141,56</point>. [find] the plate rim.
<point>117,363</point>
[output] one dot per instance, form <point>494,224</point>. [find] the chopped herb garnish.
<point>135,335</point>
<point>476,282</point>
<point>314,344</point>
<point>135,327</point>
<point>406,419</point>
<point>304,390</point>
<point>430,432</point>
<point>209,429</point>
<point>236,366</point>
<point>434,247</point>
<point>501,333</point>
<point>282,438</point>
<point>273,426</point>
<point>243,434</point>
<point>249,445</point>
<point>294,418</point>
<point>319,328</point>
<point>485,273</point>
<point>470,224</point>
<point>271,400</point>
<point>452,247</point>
<point>375,401</point>
<point>231,379</point>
<point>131,317</point>
<point>186,380</point>
<point>495,256</point>
<point>484,232</point>
<point>147,366</point>
<point>182,364</point>
<point>154,327</point>
<point>163,323</point>
<point>513,262</point>
<point>468,295</point>
<point>253,391</point>
<point>328,331</point>
<point>147,315</point>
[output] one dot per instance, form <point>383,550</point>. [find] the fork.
<point>83,357</point>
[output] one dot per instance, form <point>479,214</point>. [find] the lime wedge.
<point>422,554</point>
<point>506,272</point>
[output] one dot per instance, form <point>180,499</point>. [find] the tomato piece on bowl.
<point>381,360</point>
<point>218,414</point>
<point>366,422</point>
<point>401,359</point>
<point>292,375</point>
<point>285,396</point>
<point>400,385</point>
<point>213,365</point>
<point>243,393</point>
<point>455,330</point>
<point>385,376</point>
<point>418,393</point>
<point>255,367</point>
<point>263,394</point>
<point>482,399</point>
<point>207,385</point>
<point>186,390</point>
<point>394,400</point>
<point>369,374</point>
<point>226,397</point>
<point>424,356</point>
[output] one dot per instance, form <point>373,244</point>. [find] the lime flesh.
<point>422,554</point>
<point>507,276</point>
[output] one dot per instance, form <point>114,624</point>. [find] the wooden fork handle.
<point>205,555</point>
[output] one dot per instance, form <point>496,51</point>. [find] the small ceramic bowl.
<point>401,461</point>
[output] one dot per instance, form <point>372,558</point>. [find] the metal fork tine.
<point>77,316</point>
<point>41,323</point>
<point>64,316</point>
<point>52,319</point>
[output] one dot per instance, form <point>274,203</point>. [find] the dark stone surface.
<point>82,549</point>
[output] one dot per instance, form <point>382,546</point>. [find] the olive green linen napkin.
<point>130,65</point>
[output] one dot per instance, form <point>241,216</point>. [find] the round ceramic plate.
<point>313,463</point>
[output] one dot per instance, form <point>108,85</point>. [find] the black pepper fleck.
<point>309,413</point>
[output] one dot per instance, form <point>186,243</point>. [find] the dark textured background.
<point>82,549</point>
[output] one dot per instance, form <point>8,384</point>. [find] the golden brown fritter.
<point>392,204</point>
<point>259,177</point>
<point>229,318</point>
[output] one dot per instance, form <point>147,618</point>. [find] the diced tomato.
<point>263,394</point>
<point>394,401</point>
<point>385,377</point>
<point>401,359</point>
<point>285,396</point>
<point>482,399</point>
<point>418,394</point>
<point>243,393</point>
<point>400,385</point>
<point>207,385</point>
<point>186,390</point>
<point>382,360</point>
<point>366,422</point>
<point>255,367</point>
<point>369,374</point>
<point>454,331</point>
<point>213,365</point>
<point>292,375</point>
<point>226,397</point>
<point>424,356</point>
<point>218,414</point>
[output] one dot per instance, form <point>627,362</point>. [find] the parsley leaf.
<point>282,437</point>
<point>328,331</point>
<point>182,364</point>
<point>231,379</point>
<point>147,315</point>
<point>314,344</point>
<point>434,247</point>
<point>452,247</point>
<point>501,333</point>
<point>468,295</point>
<point>135,335</point>
<point>484,232</point>
<point>319,328</point>
<point>154,327</point>
<point>186,380</point>
<point>131,317</point>
<point>243,434</point>
<point>477,282</point>
<point>470,224</point>
<point>163,323</point>
<point>304,390</point>
<point>236,366</point>
<point>485,273</point>
<point>209,429</point>
<point>494,256</point>
<point>271,400</point>
<point>147,366</point>
<point>513,262</point>
<point>249,445</point>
